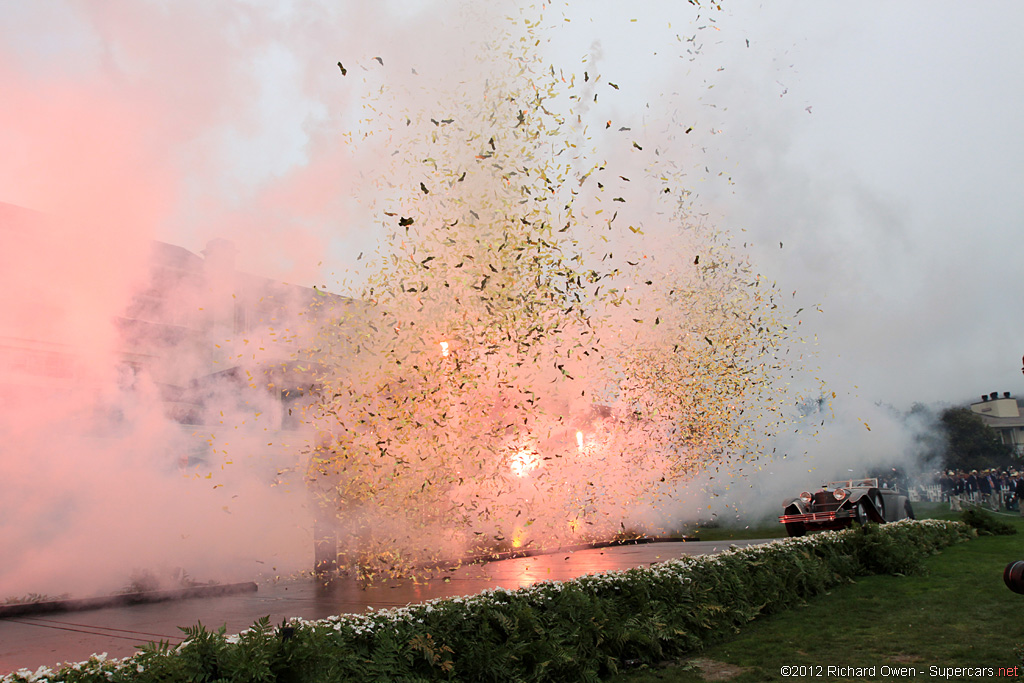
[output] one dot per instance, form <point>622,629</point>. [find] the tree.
<point>970,443</point>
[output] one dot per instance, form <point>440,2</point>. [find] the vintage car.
<point>841,503</point>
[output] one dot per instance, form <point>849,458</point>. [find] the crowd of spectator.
<point>994,489</point>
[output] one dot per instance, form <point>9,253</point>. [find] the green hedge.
<point>563,630</point>
<point>986,524</point>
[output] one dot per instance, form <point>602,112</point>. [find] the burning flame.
<point>579,440</point>
<point>523,462</point>
<point>444,348</point>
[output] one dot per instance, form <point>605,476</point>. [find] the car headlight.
<point>806,498</point>
<point>840,494</point>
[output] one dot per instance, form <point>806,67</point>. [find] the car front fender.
<point>868,498</point>
<point>793,502</point>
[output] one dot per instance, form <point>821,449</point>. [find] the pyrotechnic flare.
<point>501,254</point>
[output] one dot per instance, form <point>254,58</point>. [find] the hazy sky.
<point>877,142</point>
<point>873,140</point>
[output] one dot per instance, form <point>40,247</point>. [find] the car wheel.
<point>862,512</point>
<point>795,528</point>
<point>909,510</point>
<point>879,504</point>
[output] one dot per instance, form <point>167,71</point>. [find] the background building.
<point>1002,413</point>
<point>206,339</point>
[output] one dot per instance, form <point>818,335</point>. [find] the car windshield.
<point>852,484</point>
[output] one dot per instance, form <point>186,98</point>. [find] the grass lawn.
<point>771,529</point>
<point>960,614</point>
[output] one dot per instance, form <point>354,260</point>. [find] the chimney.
<point>994,395</point>
<point>1006,394</point>
<point>984,398</point>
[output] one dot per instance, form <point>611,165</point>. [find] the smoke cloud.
<point>138,430</point>
<point>786,132</point>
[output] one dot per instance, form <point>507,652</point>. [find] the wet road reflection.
<point>28,642</point>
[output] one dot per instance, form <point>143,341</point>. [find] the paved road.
<point>29,642</point>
